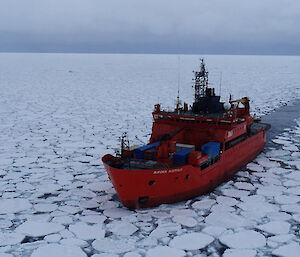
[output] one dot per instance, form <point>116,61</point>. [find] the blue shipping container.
<point>182,156</point>
<point>212,149</point>
<point>139,152</point>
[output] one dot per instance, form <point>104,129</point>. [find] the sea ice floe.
<point>87,232</point>
<point>270,190</point>
<point>226,220</point>
<point>10,238</point>
<point>224,200</point>
<point>14,205</point>
<point>51,250</point>
<point>247,239</point>
<point>53,238</point>
<point>183,212</point>
<point>287,199</point>
<point>255,167</point>
<point>36,229</point>
<point>44,207</point>
<point>164,229</point>
<point>74,241</point>
<point>289,250</point>
<point>185,221</point>
<point>191,241</point>
<point>122,228</point>
<point>235,193</point>
<point>275,227</point>
<point>244,186</point>
<point>214,230</point>
<point>116,212</point>
<point>94,218</point>
<point>281,238</point>
<point>113,246</point>
<point>160,251</point>
<point>293,208</point>
<point>203,204</point>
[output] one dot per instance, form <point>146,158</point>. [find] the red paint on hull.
<point>149,187</point>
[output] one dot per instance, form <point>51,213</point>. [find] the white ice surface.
<point>52,250</point>
<point>244,240</point>
<point>60,113</point>
<point>191,241</point>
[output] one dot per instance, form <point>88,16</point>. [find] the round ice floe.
<point>58,250</point>
<point>87,232</point>
<point>185,221</point>
<point>122,228</point>
<point>294,208</point>
<point>182,212</point>
<point>222,208</point>
<point>99,186</point>
<point>113,246</point>
<point>287,199</point>
<point>93,218</point>
<point>294,175</point>
<point>256,206</point>
<point>255,167</point>
<point>245,239</point>
<point>74,241</point>
<point>14,205</point>
<point>69,209</point>
<point>54,238</point>
<point>214,230</point>
<point>44,207</point>
<point>224,200</point>
<point>203,204</point>
<point>116,212</point>
<point>164,229</point>
<point>281,141</point>
<point>275,227</point>
<point>281,238</point>
<point>270,190</point>
<point>289,250</point>
<point>235,193</point>
<point>191,241</point>
<point>10,238</point>
<point>244,186</point>
<point>160,251</point>
<point>226,220</point>
<point>35,229</point>
<point>239,253</point>
<point>65,220</point>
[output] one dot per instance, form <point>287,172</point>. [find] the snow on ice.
<point>60,113</point>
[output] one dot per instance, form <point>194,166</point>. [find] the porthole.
<point>151,182</point>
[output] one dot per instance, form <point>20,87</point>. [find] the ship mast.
<point>201,81</point>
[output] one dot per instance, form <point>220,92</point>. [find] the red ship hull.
<point>142,188</point>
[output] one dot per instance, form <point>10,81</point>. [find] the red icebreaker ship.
<point>191,150</point>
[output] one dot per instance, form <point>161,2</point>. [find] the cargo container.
<point>212,149</point>
<point>182,156</point>
<point>139,152</point>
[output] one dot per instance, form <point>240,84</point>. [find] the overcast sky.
<point>152,26</point>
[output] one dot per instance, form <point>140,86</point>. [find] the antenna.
<point>178,78</point>
<point>220,83</point>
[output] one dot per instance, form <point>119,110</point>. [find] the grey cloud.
<point>269,26</point>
